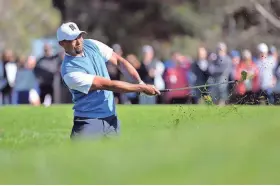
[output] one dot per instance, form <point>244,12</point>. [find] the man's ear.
<point>61,43</point>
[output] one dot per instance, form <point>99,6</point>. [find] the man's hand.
<point>150,90</point>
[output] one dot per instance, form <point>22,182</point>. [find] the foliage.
<point>23,20</point>
<point>167,25</point>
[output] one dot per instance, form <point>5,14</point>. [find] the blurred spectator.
<point>134,61</point>
<point>266,65</point>
<point>132,98</point>
<point>25,83</point>
<point>277,86</point>
<point>274,53</point>
<point>247,90</point>
<point>114,72</point>
<point>219,70</point>
<point>65,95</point>
<point>3,80</point>
<point>176,76</point>
<point>158,75</point>
<point>148,71</point>
<point>8,73</point>
<point>158,78</point>
<point>236,58</point>
<point>45,70</point>
<point>200,71</point>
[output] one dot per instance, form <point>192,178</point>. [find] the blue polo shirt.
<point>78,73</point>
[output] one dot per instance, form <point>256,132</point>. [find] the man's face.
<point>263,55</point>
<point>247,57</point>
<point>74,46</point>
<point>236,60</point>
<point>8,55</point>
<point>222,51</point>
<point>202,53</point>
<point>47,50</point>
<point>31,62</point>
<point>148,55</point>
<point>119,52</point>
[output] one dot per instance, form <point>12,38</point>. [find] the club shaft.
<point>200,86</point>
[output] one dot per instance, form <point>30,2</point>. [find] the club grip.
<point>165,90</point>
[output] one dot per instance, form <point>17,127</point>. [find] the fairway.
<point>159,144</point>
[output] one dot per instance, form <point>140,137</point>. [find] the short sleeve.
<point>105,50</point>
<point>79,81</point>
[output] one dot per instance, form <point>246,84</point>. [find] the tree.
<point>23,20</point>
<point>179,25</point>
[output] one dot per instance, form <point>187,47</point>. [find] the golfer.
<point>85,74</point>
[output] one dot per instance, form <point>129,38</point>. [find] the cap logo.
<point>72,27</point>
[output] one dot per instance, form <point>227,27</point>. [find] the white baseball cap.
<point>262,47</point>
<point>68,31</point>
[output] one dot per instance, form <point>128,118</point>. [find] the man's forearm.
<point>128,70</point>
<point>116,86</point>
<point>101,83</point>
<point>123,87</point>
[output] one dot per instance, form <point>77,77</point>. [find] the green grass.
<point>158,145</point>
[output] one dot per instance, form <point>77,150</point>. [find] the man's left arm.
<point>125,67</point>
<point>122,64</point>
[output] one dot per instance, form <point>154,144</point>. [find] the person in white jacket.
<point>266,65</point>
<point>151,71</point>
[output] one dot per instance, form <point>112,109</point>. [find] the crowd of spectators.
<point>30,80</point>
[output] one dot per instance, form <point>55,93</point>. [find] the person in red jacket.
<point>247,90</point>
<point>176,76</point>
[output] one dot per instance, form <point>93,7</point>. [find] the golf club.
<point>243,78</point>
